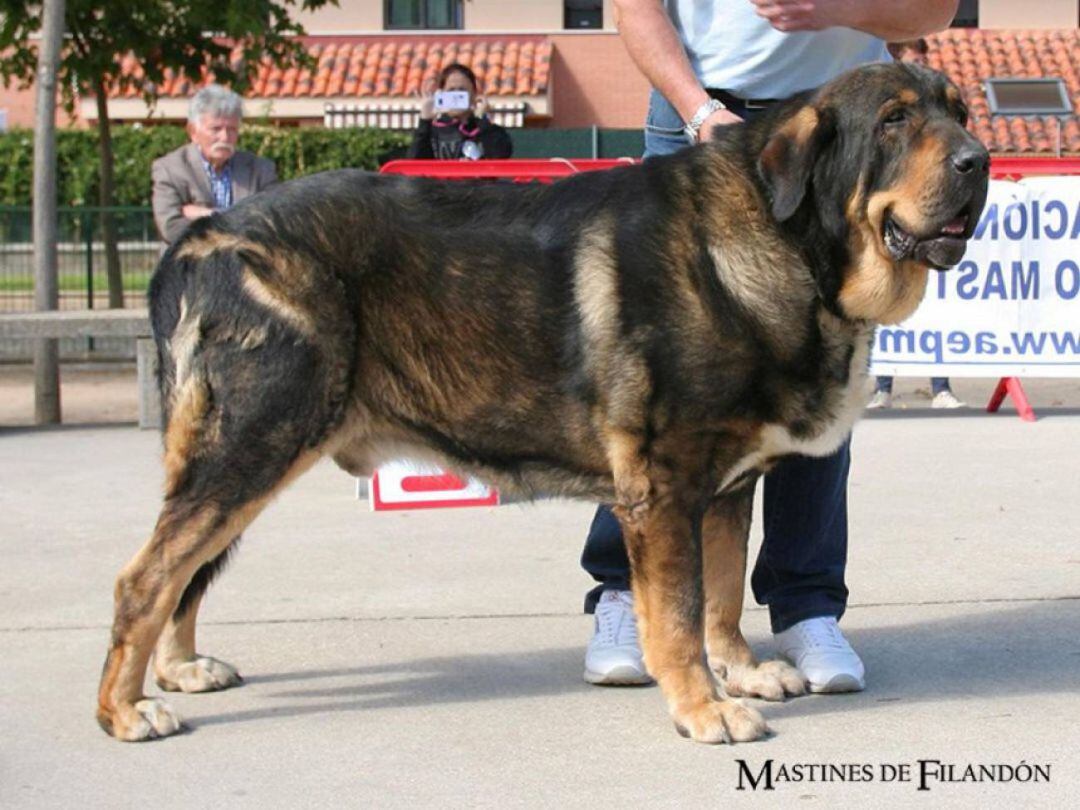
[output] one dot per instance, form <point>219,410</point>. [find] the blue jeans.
<point>937,384</point>
<point>799,572</point>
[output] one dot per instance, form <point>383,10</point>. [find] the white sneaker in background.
<point>946,399</point>
<point>880,399</point>
<point>818,648</point>
<point>613,656</point>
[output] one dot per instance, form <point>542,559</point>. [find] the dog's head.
<point>879,177</point>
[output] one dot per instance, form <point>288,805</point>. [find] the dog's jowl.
<point>655,336</point>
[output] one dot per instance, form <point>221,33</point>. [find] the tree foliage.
<point>178,35</point>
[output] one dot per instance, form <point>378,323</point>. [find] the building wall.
<point>513,15</point>
<point>348,17</point>
<point>594,81</point>
<point>1039,14</point>
<point>520,16</point>
<point>19,105</point>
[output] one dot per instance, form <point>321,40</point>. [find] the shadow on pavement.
<point>1031,649</point>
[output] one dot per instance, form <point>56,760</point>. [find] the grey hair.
<point>215,100</point>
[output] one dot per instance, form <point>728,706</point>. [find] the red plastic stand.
<point>520,171</point>
<point>1011,386</point>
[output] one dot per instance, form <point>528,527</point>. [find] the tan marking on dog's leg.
<point>148,591</point>
<point>146,594</point>
<point>665,576</point>
<point>177,665</point>
<point>723,542</point>
<point>629,468</point>
<point>191,401</point>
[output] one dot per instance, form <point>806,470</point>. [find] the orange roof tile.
<point>970,56</point>
<point>389,66</point>
<point>383,66</point>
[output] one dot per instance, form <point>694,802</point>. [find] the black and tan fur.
<point>655,336</point>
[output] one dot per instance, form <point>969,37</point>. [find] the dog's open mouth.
<point>941,249</point>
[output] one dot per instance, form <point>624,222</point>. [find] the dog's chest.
<point>832,426</point>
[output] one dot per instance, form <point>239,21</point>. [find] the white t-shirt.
<point>732,48</point>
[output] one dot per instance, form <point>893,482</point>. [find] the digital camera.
<point>452,100</point>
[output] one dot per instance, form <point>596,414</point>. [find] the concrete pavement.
<point>434,659</point>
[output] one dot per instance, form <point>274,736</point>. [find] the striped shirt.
<point>220,184</point>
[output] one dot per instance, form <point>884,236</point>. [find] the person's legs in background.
<point>614,653</point>
<point>943,397</point>
<point>882,397</point>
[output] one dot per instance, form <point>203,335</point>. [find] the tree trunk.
<point>105,200</point>
<point>46,289</point>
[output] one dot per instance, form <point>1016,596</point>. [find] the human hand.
<point>805,15</point>
<point>720,118</point>
<point>427,103</point>
<point>480,107</point>
<point>193,211</point>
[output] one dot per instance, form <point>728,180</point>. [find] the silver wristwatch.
<point>693,126</point>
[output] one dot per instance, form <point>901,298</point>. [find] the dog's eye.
<point>895,117</point>
<point>962,115</point>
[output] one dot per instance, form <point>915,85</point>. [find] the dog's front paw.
<point>769,680</point>
<point>146,719</point>
<point>202,674</point>
<point>719,721</point>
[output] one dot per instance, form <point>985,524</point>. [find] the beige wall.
<point>521,16</point>
<point>1036,14</point>
<point>593,81</point>
<point>513,15</point>
<point>348,17</point>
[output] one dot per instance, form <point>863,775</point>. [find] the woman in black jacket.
<point>456,134</point>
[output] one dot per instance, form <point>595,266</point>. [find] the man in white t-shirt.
<point>713,63</point>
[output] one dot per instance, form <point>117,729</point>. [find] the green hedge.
<point>297,151</point>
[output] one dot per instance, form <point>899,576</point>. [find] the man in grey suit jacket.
<point>208,174</point>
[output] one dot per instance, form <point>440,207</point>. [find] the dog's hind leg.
<point>190,533</point>
<point>666,565</point>
<point>243,424</point>
<point>724,533</point>
<point>177,665</point>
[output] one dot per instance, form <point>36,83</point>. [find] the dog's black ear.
<point>786,162</point>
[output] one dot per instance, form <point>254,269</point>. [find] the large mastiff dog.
<point>655,336</point>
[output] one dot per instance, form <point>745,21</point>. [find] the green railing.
<point>81,255</point>
<point>81,269</point>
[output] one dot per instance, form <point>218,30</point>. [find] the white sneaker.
<point>880,399</point>
<point>818,648</point>
<point>614,654</point>
<point>947,399</point>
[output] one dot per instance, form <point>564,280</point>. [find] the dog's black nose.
<point>973,158</point>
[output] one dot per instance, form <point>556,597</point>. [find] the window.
<point>1028,97</point>
<point>967,14</point>
<point>583,14</point>
<point>414,14</point>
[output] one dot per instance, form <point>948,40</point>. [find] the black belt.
<point>731,100</point>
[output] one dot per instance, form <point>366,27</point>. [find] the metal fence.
<point>406,117</point>
<point>81,270</point>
